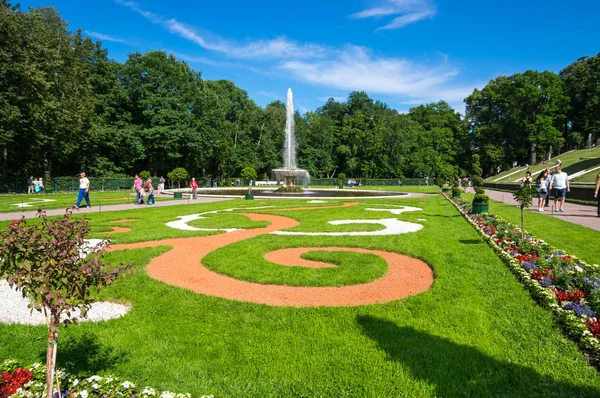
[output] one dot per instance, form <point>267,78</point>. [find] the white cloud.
<point>103,37</point>
<point>355,69</point>
<point>343,69</point>
<point>406,11</point>
<point>279,47</point>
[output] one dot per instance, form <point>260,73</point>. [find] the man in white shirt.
<point>560,185</point>
<point>84,191</point>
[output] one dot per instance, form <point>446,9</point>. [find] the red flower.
<point>10,383</point>
<point>593,326</point>
<point>569,295</point>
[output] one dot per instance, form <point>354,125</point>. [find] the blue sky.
<point>403,52</point>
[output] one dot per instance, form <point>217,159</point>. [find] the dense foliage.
<point>66,107</point>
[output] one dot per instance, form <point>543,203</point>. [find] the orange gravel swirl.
<point>181,266</point>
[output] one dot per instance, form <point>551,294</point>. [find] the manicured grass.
<point>570,161</point>
<point>476,332</point>
<point>403,188</point>
<point>8,203</point>
<point>589,177</point>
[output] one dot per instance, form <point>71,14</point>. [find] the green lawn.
<point>571,161</point>
<point>476,332</point>
<point>589,177</point>
<point>13,203</point>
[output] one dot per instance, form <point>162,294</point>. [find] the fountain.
<point>292,176</point>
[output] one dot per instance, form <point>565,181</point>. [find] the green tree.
<point>249,173</point>
<point>524,197</point>
<point>178,174</point>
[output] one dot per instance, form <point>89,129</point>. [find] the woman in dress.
<point>542,189</point>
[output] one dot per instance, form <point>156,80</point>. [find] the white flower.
<point>167,394</point>
<point>75,382</point>
<point>109,379</point>
<point>83,394</point>
<point>94,378</point>
<point>36,365</point>
<point>95,386</point>
<point>149,391</point>
<point>127,384</point>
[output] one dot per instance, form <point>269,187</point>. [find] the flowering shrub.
<point>30,382</point>
<point>562,283</point>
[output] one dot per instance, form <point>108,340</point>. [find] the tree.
<point>47,261</point>
<point>178,174</point>
<point>524,196</point>
<point>249,173</point>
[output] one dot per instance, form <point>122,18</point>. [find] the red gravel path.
<point>181,266</point>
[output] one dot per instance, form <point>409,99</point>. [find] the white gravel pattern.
<point>13,309</point>
<point>182,223</point>
<point>13,306</point>
<point>392,226</point>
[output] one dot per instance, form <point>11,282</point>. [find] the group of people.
<point>35,185</point>
<point>548,183</point>
<point>144,191</point>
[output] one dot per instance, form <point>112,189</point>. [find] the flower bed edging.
<point>578,328</point>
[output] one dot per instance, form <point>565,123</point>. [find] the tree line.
<point>66,107</point>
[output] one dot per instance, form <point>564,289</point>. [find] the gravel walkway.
<point>120,207</point>
<point>574,213</point>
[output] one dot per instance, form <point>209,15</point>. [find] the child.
<point>149,192</point>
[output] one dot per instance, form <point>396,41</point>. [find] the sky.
<point>402,52</point>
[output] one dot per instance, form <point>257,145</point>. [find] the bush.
<point>144,175</point>
<point>249,173</point>
<point>456,190</point>
<point>479,191</point>
<point>481,198</point>
<point>178,174</point>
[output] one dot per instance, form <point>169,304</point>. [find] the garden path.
<point>574,213</point>
<point>118,207</point>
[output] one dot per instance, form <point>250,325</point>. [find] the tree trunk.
<point>5,161</point>
<point>533,154</point>
<point>51,353</point>
<point>522,224</point>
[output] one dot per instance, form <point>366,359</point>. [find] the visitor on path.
<point>560,185</point>
<point>542,188</point>
<point>84,191</point>
<point>150,192</point>
<point>137,187</point>
<point>194,185</point>
<point>548,183</point>
<point>30,185</point>
<point>41,185</point>
<point>596,192</point>
<point>527,180</point>
<point>36,186</point>
<point>161,184</point>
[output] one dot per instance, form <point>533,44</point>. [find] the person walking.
<point>560,184</point>
<point>150,192</point>
<point>41,185</point>
<point>161,184</point>
<point>542,188</point>
<point>30,185</point>
<point>84,191</point>
<point>596,192</point>
<point>194,185</point>
<point>137,187</point>
<point>36,186</point>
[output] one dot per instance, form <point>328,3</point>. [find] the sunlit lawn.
<point>476,332</point>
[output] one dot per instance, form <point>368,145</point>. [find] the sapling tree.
<point>48,262</point>
<point>178,174</point>
<point>524,196</point>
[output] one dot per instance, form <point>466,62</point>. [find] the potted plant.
<point>456,191</point>
<point>480,203</point>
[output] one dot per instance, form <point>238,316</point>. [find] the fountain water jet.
<point>290,174</point>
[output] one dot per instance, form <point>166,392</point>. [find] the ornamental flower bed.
<point>562,283</point>
<point>30,382</point>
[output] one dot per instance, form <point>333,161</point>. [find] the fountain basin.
<point>261,193</point>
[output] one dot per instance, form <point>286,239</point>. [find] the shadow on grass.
<point>460,370</point>
<point>83,354</point>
